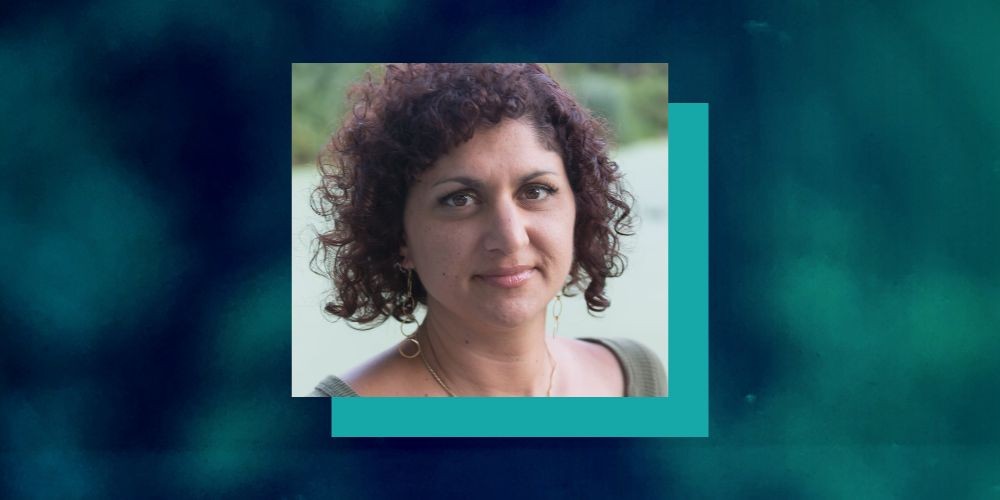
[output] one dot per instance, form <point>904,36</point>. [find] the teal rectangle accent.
<point>688,265</point>
<point>684,413</point>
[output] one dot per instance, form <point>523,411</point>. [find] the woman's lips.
<point>508,278</point>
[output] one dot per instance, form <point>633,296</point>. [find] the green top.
<point>643,371</point>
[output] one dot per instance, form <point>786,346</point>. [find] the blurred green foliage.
<point>632,97</point>
<point>318,103</point>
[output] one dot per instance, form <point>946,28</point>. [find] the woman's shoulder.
<point>587,369</point>
<point>387,374</point>
<point>642,370</point>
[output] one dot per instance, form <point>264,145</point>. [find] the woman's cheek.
<point>444,250</point>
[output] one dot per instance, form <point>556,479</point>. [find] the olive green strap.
<point>333,387</point>
<point>644,373</point>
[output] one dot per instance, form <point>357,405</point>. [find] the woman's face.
<point>489,227</point>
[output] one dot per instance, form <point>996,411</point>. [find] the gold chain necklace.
<point>548,392</point>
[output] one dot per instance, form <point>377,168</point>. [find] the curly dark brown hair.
<point>402,123</point>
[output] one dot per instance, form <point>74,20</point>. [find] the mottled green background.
<point>855,304</point>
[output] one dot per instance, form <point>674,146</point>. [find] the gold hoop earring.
<point>410,305</point>
<point>556,312</point>
<point>409,340</point>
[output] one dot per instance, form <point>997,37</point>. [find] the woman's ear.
<point>404,253</point>
<point>405,260</point>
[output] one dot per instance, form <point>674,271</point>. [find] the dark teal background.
<point>854,300</point>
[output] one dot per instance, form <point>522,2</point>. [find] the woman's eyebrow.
<point>467,181</point>
<point>476,183</point>
<point>536,173</point>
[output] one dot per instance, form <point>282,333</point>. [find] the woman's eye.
<point>538,192</point>
<point>457,200</point>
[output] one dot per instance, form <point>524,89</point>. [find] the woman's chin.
<point>510,315</point>
<point>492,311</point>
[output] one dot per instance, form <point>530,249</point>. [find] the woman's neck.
<point>480,360</point>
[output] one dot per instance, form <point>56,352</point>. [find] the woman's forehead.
<point>508,150</point>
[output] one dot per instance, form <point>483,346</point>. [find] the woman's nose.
<point>507,231</point>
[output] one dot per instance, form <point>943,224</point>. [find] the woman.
<point>482,192</point>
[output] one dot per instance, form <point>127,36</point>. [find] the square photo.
<point>479,230</point>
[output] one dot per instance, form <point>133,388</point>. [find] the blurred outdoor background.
<point>146,301</point>
<point>631,97</point>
